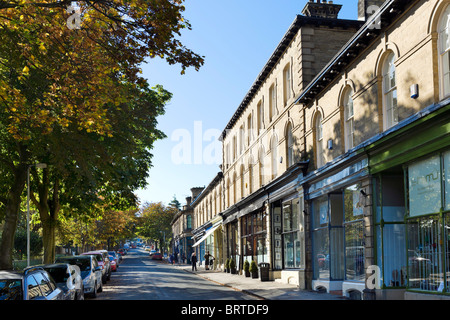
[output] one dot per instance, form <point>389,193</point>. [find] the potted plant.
<point>254,269</point>
<point>247,268</point>
<point>232,266</point>
<point>227,265</point>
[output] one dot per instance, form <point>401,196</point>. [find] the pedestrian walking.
<point>194,261</point>
<point>208,260</point>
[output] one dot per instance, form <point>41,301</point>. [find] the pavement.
<point>264,290</point>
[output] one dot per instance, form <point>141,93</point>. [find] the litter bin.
<point>264,271</point>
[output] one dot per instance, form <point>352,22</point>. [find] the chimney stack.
<point>366,8</point>
<point>196,192</point>
<point>322,9</point>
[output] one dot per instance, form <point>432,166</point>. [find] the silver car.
<point>33,283</point>
<point>68,279</point>
<point>91,272</point>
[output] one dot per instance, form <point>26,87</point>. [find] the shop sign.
<point>424,178</point>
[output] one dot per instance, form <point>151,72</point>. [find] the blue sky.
<point>237,37</point>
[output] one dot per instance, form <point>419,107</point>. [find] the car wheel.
<point>109,275</point>
<point>81,294</point>
<point>94,292</point>
<point>100,289</point>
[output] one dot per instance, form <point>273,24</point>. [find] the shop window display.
<point>254,237</point>
<point>428,221</point>
<point>390,229</point>
<point>291,239</point>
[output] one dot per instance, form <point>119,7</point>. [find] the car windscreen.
<point>11,289</point>
<point>83,263</point>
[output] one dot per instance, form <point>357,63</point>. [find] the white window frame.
<point>444,53</point>
<point>274,156</point>
<point>289,146</point>
<point>319,141</point>
<point>272,102</point>
<point>287,83</point>
<point>348,119</point>
<point>390,103</point>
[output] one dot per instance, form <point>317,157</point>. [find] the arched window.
<point>260,117</point>
<point>272,103</point>
<point>289,146</point>
<point>241,185</point>
<point>389,92</point>
<point>444,52</point>
<point>274,154</point>
<point>189,222</point>
<point>348,119</point>
<point>250,176</point>
<point>287,83</point>
<point>235,186</point>
<point>319,141</point>
<point>228,192</point>
<point>261,159</point>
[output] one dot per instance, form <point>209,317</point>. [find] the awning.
<point>207,234</point>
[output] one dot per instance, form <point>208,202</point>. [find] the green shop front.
<point>410,170</point>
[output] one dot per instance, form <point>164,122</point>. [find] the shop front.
<point>338,209</point>
<point>288,244</point>
<point>411,179</point>
<point>209,239</point>
<point>246,226</point>
<point>267,227</point>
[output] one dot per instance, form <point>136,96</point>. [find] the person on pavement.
<point>194,261</point>
<point>208,260</point>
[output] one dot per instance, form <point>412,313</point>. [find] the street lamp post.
<point>39,166</point>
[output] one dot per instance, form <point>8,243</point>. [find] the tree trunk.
<point>48,239</point>
<point>11,217</point>
<point>48,212</point>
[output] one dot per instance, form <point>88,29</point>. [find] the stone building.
<point>183,225</point>
<point>208,232</point>
<point>336,168</point>
<point>377,130</point>
<point>264,152</point>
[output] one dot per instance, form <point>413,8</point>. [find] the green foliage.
<point>154,222</point>
<point>20,243</point>
<point>246,265</point>
<point>253,267</point>
<point>232,264</point>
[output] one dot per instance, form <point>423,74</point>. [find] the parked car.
<point>115,256</point>
<point>33,283</point>
<point>103,261</point>
<point>114,264</point>
<point>123,252</point>
<point>68,279</point>
<point>157,256</point>
<point>91,272</point>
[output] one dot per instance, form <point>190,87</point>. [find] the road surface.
<point>140,278</point>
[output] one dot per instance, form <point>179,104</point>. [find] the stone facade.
<point>319,124</point>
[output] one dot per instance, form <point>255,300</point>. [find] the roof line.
<point>298,22</point>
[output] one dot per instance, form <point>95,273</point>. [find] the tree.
<point>112,228</point>
<point>56,81</point>
<point>155,219</point>
<point>175,203</point>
